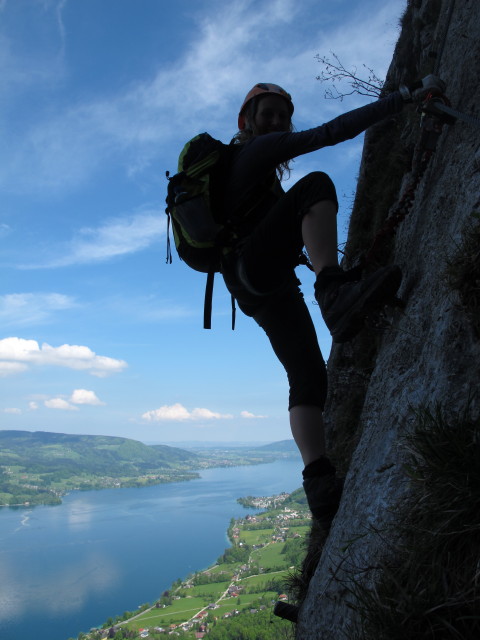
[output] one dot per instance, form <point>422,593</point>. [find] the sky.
<point>98,335</point>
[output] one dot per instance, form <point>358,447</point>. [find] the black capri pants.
<point>269,291</point>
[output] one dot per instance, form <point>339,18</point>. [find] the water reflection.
<point>64,569</point>
<point>61,590</point>
<point>80,514</point>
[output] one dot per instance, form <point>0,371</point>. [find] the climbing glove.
<point>419,90</point>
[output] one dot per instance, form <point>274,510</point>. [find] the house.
<point>201,615</point>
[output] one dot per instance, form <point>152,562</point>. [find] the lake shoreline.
<point>139,543</point>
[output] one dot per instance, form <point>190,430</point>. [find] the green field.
<point>242,587</point>
<point>256,536</point>
<point>227,569</point>
<point>185,609</point>
<point>260,582</point>
<point>178,612</point>
<point>208,590</point>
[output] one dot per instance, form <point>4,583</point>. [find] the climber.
<point>275,226</point>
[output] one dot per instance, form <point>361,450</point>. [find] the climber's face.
<point>272,114</point>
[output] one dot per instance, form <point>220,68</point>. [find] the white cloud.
<point>248,415</point>
<point>16,354</point>
<point>11,368</point>
<point>206,414</point>
<point>5,229</point>
<point>147,308</point>
<point>117,237</point>
<point>59,403</point>
<point>84,396</point>
<point>12,410</point>
<point>236,44</point>
<point>179,413</point>
<point>23,309</point>
<point>62,402</point>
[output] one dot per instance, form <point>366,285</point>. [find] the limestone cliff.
<point>428,352</point>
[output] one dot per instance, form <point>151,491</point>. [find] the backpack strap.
<point>207,306</point>
<point>234,312</point>
<point>169,246</point>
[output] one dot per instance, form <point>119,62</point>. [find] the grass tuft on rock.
<point>429,588</point>
<point>296,584</point>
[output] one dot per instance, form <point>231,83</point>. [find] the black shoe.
<point>286,611</point>
<point>344,304</point>
<point>323,496</point>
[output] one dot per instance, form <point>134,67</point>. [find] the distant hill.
<point>45,452</point>
<point>297,497</point>
<point>283,446</point>
<point>38,467</point>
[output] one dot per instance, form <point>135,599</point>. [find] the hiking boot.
<point>344,304</point>
<point>323,496</point>
<point>286,611</point>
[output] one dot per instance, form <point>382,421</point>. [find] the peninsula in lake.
<point>40,467</point>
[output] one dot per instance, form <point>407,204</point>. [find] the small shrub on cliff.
<point>430,588</point>
<point>296,584</point>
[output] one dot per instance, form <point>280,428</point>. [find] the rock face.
<point>430,353</point>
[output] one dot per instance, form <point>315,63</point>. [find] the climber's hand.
<point>419,90</point>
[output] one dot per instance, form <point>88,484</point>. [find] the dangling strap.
<point>169,246</point>
<point>207,307</point>
<point>234,313</point>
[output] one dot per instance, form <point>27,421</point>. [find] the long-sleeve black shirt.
<point>253,163</point>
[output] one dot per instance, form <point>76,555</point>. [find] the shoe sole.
<point>351,322</point>
<point>286,611</point>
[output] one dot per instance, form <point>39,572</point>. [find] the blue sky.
<point>98,334</point>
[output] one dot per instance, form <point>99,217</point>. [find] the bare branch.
<point>335,72</point>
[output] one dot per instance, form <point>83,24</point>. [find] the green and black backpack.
<point>201,231</point>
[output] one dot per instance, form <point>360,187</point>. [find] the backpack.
<point>201,232</point>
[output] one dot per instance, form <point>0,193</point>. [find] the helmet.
<point>259,89</point>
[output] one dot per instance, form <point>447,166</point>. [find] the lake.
<point>67,568</point>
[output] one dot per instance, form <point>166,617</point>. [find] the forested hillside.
<point>39,467</point>
<point>61,451</point>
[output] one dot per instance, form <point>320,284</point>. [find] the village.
<point>246,580</point>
